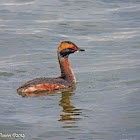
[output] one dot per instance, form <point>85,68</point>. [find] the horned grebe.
<point>66,80</point>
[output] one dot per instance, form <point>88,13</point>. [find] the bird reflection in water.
<point>70,113</point>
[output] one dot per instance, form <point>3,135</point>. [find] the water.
<point>105,104</point>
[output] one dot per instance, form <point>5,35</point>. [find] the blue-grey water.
<point>106,102</point>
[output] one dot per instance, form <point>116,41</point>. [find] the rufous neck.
<point>66,72</point>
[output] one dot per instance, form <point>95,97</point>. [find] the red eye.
<point>74,48</point>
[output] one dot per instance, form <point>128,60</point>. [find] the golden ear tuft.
<point>64,45</point>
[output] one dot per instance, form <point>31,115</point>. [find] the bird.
<point>64,81</point>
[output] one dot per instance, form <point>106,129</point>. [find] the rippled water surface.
<point>106,102</point>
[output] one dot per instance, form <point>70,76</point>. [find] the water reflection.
<point>70,114</point>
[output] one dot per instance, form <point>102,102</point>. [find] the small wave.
<point>16,4</point>
<point>6,74</point>
<point>131,82</point>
